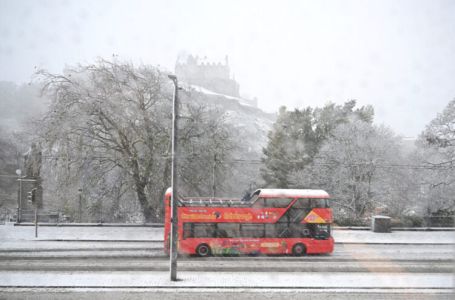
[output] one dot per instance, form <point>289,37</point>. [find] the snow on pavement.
<point>10,232</point>
<point>226,279</point>
<point>396,237</point>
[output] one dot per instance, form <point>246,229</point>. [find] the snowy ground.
<point>227,280</point>
<point>358,246</point>
<point>397,237</point>
<point>224,293</point>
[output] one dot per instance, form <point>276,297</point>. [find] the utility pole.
<point>174,216</point>
<point>37,200</point>
<point>32,199</point>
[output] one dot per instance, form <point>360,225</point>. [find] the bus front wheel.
<point>203,250</point>
<point>298,250</point>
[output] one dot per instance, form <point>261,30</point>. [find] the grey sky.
<point>397,55</point>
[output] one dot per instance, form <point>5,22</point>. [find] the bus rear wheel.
<point>203,250</point>
<point>298,250</point>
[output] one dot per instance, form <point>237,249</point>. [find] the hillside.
<point>252,123</point>
<point>251,126</point>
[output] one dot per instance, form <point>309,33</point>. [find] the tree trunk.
<point>166,185</point>
<point>142,198</point>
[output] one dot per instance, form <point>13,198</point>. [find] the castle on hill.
<point>215,77</point>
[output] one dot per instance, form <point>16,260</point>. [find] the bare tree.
<point>114,118</point>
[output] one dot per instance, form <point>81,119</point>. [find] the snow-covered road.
<point>132,257</point>
<point>11,233</point>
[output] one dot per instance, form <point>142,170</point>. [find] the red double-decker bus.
<point>269,221</point>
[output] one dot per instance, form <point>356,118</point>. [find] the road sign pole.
<point>36,220</point>
<point>19,209</point>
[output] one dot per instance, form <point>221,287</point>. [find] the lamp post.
<point>174,220</point>
<point>19,201</point>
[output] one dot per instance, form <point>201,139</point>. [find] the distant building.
<point>215,77</point>
<point>212,76</point>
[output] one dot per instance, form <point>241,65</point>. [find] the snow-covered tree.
<point>8,165</point>
<point>108,132</point>
<point>297,136</point>
<point>356,165</point>
<point>436,151</point>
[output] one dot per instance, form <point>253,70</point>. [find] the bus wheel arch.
<point>299,249</point>
<point>203,250</point>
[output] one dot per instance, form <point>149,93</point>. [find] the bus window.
<point>187,230</point>
<point>278,202</point>
<point>322,203</point>
<point>323,229</point>
<point>252,230</point>
<point>271,230</point>
<point>306,203</point>
<point>299,230</point>
<point>228,230</point>
<point>259,203</point>
<point>319,231</point>
<point>302,203</point>
<point>201,230</point>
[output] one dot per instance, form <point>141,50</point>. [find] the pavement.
<point>227,280</point>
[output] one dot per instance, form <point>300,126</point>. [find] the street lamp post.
<point>174,220</point>
<point>19,201</point>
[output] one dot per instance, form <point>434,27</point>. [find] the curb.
<point>153,225</point>
<point>162,241</point>
<point>160,225</point>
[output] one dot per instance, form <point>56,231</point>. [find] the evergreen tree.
<point>277,158</point>
<point>297,136</point>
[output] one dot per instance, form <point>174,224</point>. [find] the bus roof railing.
<point>211,201</point>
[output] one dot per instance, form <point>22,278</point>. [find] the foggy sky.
<point>397,55</point>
